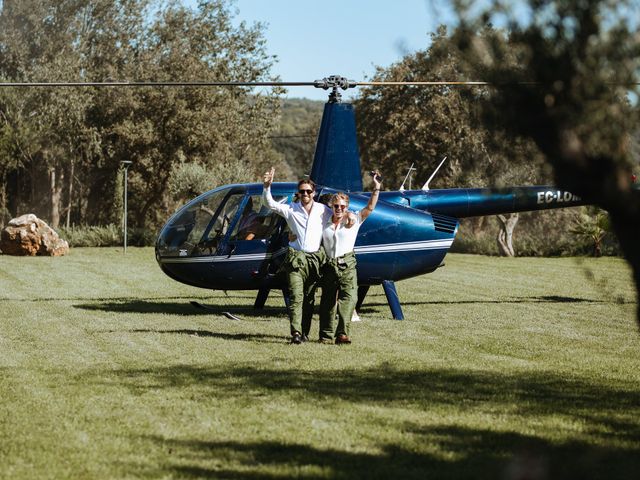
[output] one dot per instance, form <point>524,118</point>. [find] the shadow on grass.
<point>609,445</point>
<point>175,308</point>
<point>528,393</point>
<point>128,305</point>
<point>519,300</point>
<point>251,337</point>
<point>595,428</point>
<point>123,299</point>
<point>471,453</point>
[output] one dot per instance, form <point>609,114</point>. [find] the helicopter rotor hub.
<point>334,82</point>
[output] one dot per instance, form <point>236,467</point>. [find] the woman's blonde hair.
<point>339,196</point>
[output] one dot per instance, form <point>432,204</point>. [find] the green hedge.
<point>106,236</point>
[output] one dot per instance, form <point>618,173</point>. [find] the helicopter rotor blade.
<point>325,83</point>
<point>430,84</point>
<point>156,84</point>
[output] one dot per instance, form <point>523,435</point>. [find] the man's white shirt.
<point>340,240</point>
<point>307,227</point>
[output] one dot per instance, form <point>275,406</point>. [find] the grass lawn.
<point>504,367</point>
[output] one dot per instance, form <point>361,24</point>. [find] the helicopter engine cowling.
<point>397,242</point>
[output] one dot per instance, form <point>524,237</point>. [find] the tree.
<point>296,136</point>
<point>578,62</point>
<point>400,126</point>
<point>76,139</point>
<point>47,126</point>
<point>218,129</point>
<point>592,224</point>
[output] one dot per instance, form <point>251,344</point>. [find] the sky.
<point>314,39</point>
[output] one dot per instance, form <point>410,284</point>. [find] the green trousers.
<point>303,272</point>
<point>339,280</point>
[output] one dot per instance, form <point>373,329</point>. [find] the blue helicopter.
<point>226,240</point>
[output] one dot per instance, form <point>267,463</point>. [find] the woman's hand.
<point>377,180</point>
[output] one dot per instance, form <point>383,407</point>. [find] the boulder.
<point>28,235</point>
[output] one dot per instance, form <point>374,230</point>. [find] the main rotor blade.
<point>435,84</point>
<point>216,84</point>
<point>156,84</point>
<point>316,84</point>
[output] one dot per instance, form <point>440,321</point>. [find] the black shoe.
<point>296,338</point>
<point>304,338</point>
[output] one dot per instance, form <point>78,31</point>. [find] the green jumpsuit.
<point>339,278</point>
<point>303,272</point>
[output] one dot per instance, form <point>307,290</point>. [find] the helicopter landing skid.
<point>211,308</point>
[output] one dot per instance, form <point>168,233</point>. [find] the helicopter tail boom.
<point>474,202</point>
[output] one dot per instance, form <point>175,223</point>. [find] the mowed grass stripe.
<point>108,372</point>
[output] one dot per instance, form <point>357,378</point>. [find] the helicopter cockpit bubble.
<point>196,227</point>
<point>208,224</point>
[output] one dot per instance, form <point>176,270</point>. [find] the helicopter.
<point>206,242</point>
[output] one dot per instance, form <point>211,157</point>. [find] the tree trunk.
<point>70,193</point>
<point>597,246</point>
<point>505,235</point>
<point>3,198</point>
<point>55,183</point>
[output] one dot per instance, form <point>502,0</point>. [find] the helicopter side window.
<point>211,235</point>
<point>257,222</point>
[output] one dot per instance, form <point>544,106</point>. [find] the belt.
<point>342,259</point>
<point>294,257</point>
<point>294,251</point>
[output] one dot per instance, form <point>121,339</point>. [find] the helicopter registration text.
<point>556,197</point>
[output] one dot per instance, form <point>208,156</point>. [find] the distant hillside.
<point>296,137</point>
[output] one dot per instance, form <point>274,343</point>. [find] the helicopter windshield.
<point>200,228</point>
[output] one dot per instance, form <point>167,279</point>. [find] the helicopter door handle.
<point>232,251</point>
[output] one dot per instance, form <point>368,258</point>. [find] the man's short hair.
<point>308,181</point>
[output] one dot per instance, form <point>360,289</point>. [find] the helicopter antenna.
<point>411,170</point>
<point>425,187</point>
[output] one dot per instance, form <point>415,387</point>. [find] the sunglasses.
<point>302,191</point>
<point>339,207</point>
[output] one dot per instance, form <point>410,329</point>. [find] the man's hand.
<point>268,177</point>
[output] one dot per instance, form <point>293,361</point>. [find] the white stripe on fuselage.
<point>362,250</point>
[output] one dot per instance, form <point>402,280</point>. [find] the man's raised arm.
<point>267,198</point>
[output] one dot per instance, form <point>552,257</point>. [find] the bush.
<point>106,236</point>
<point>91,236</point>
<point>141,237</point>
<point>537,234</point>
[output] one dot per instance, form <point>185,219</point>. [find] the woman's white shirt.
<point>340,240</point>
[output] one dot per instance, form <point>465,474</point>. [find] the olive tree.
<point>573,91</point>
<point>405,125</point>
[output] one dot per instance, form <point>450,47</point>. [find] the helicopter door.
<point>256,231</point>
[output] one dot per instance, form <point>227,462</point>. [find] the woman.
<point>339,277</point>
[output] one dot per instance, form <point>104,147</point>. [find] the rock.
<point>28,235</point>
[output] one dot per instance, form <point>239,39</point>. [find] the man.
<point>304,257</point>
